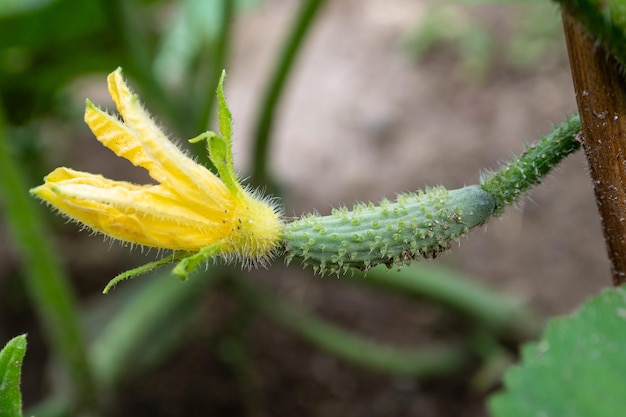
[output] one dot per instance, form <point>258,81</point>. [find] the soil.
<point>362,120</point>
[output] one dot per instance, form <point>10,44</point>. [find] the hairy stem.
<point>516,177</point>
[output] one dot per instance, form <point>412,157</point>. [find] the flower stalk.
<point>513,179</point>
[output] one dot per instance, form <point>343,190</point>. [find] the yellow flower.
<point>189,209</point>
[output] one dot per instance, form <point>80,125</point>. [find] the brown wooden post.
<point>601,96</point>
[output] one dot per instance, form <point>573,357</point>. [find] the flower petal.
<point>115,135</point>
<point>177,169</point>
<point>122,140</point>
<point>147,215</point>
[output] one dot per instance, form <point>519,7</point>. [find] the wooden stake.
<point>601,96</point>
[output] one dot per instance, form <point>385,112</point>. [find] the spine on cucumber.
<point>421,224</point>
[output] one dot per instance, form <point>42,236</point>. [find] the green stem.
<point>350,346</point>
<point>275,87</point>
<point>605,20</point>
<point>500,314</point>
<point>518,176</point>
<point>46,281</point>
<point>205,101</point>
<point>218,64</point>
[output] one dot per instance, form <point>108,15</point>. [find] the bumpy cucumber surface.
<point>421,224</point>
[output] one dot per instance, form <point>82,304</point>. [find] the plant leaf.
<point>10,374</point>
<point>224,115</point>
<point>221,146</point>
<point>577,369</point>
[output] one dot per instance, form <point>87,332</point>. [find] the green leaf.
<point>190,263</point>
<point>221,147</point>
<point>221,156</point>
<point>10,372</point>
<point>604,20</point>
<point>223,112</point>
<point>577,369</point>
<point>194,25</point>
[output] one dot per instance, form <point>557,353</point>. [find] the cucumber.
<point>415,225</point>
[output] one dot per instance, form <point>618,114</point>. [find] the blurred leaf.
<point>146,321</point>
<point>194,27</point>
<point>539,38</point>
<point>194,24</point>
<point>11,358</point>
<point>535,39</point>
<point>42,50</point>
<point>495,1</point>
<point>46,282</point>
<point>447,26</point>
<point>12,7</point>
<point>351,346</point>
<point>60,21</point>
<point>577,369</point>
<point>433,28</point>
<point>491,311</point>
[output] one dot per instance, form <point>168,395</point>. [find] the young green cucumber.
<point>421,224</point>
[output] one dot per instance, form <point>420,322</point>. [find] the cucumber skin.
<point>421,224</point>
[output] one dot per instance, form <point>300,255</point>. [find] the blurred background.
<point>373,98</point>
